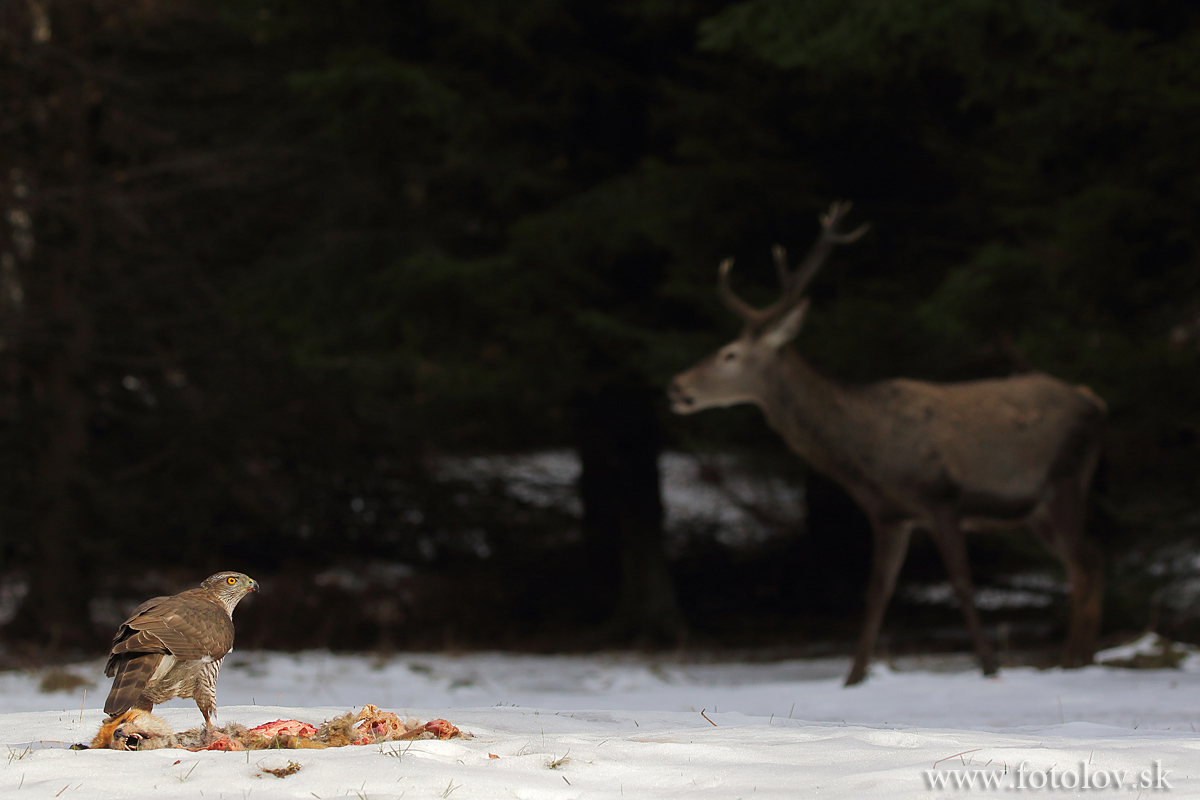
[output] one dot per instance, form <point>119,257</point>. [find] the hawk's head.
<point>229,587</point>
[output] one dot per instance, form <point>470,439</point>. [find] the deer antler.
<point>734,303</point>
<point>779,253</point>
<point>795,283</point>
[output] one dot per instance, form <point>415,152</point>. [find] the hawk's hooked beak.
<point>253,585</point>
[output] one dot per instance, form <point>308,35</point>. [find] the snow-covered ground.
<point>638,727</point>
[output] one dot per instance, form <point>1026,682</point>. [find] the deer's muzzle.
<point>681,401</point>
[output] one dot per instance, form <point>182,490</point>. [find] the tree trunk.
<point>619,441</point>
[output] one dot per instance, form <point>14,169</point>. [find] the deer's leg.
<point>953,546</point>
<point>1060,527</point>
<point>890,547</point>
<point>1087,598</point>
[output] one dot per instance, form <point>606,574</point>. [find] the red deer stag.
<point>945,457</point>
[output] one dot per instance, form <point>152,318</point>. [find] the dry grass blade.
<point>956,755</point>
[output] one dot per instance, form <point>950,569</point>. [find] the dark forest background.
<point>265,263</point>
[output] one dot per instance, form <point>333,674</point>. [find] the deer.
<point>946,458</point>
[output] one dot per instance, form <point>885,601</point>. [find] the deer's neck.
<point>815,415</point>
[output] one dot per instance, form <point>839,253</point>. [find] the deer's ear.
<point>784,329</point>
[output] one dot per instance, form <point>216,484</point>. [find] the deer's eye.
<point>729,356</point>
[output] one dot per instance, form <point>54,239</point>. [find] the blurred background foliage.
<point>267,266</point>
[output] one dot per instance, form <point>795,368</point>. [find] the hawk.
<point>173,647</point>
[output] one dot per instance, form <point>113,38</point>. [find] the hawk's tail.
<point>132,673</point>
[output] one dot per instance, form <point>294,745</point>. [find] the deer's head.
<point>735,373</point>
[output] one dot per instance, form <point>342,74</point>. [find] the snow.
<point>627,725</point>
<point>549,479</point>
<point>1151,644</point>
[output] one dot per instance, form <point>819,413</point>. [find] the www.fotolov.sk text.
<point>1075,778</point>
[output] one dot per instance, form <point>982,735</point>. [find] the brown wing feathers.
<point>131,674</point>
<point>188,626</point>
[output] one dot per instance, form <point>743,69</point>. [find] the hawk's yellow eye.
<point>231,581</point>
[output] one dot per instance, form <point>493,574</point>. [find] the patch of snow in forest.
<point>548,479</point>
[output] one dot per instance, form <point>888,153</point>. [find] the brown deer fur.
<point>944,457</point>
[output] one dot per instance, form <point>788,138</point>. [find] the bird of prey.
<point>173,647</point>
